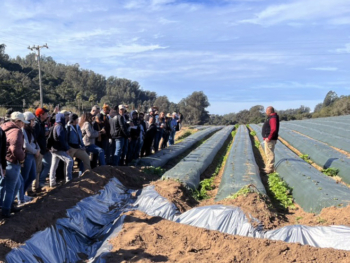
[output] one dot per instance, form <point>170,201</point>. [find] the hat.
<point>65,112</point>
<point>150,109</point>
<point>168,115</point>
<point>95,107</point>
<point>73,117</point>
<point>28,116</point>
<point>174,113</point>
<point>121,107</point>
<point>18,116</point>
<point>41,111</point>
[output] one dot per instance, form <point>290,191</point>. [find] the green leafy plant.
<point>281,191</point>
<point>154,170</point>
<point>204,186</point>
<point>252,133</point>
<point>306,158</point>
<point>236,126</point>
<point>298,218</point>
<point>331,171</point>
<point>320,220</point>
<point>245,190</point>
<point>257,144</point>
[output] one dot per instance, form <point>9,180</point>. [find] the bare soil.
<point>152,239</point>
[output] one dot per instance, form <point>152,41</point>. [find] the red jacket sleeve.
<point>273,126</point>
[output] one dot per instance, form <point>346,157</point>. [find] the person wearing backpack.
<point>15,156</point>
<point>58,143</point>
<point>75,141</point>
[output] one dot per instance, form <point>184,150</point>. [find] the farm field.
<point>217,206</point>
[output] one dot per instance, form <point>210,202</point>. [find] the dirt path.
<point>152,239</point>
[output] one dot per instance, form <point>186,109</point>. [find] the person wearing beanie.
<point>75,141</point>
<point>32,150</point>
<point>15,156</point>
<point>59,149</point>
<point>43,161</point>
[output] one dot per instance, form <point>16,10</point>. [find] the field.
<point>209,201</point>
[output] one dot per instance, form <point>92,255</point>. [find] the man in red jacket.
<point>270,135</point>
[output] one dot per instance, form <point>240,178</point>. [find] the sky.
<point>240,53</point>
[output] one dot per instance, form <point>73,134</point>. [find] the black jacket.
<point>151,133</point>
<point>39,134</point>
<point>2,149</point>
<point>118,127</point>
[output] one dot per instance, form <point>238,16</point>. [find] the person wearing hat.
<point>173,124</point>
<point>43,161</point>
<point>32,150</point>
<point>119,132</point>
<point>59,150</point>
<point>66,115</point>
<point>150,114</point>
<point>75,141</point>
<point>15,155</point>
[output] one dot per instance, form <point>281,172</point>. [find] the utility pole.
<point>38,57</point>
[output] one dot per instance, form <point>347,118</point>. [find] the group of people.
<point>34,145</point>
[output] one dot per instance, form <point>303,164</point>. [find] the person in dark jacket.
<point>149,137</point>
<point>270,134</point>
<point>119,132</point>
<point>60,149</point>
<point>43,161</point>
<point>15,156</point>
<point>135,131</point>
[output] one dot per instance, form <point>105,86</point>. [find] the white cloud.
<point>324,68</point>
<point>301,11</point>
<point>346,49</point>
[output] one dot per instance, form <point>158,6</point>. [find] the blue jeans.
<point>92,148</point>
<point>28,172</point>
<point>172,137</point>
<point>8,187</point>
<point>120,144</point>
<point>47,158</point>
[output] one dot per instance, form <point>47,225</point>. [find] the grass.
<point>331,172</point>
<point>154,170</point>
<point>281,191</point>
<point>183,136</point>
<point>306,158</point>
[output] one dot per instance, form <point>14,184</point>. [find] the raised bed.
<point>312,190</point>
<point>240,169</point>
<point>162,157</point>
<point>189,169</point>
<point>332,140</point>
<point>322,154</point>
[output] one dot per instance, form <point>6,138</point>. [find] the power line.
<point>38,57</point>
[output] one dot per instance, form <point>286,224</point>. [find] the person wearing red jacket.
<point>15,156</point>
<point>270,135</point>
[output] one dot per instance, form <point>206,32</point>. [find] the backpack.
<point>51,138</point>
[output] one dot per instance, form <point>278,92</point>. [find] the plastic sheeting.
<point>241,168</point>
<point>333,140</point>
<point>71,243</point>
<point>160,158</point>
<point>190,168</point>
<point>312,190</point>
<point>319,152</point>
<point>332,130</point>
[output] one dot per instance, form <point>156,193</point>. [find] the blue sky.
<point>240,53</point>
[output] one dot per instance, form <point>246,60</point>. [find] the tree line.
<point>78,89</point>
